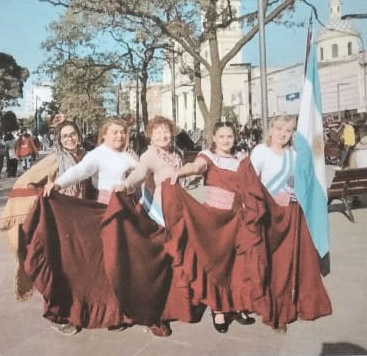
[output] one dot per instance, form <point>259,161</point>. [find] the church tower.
<point>335,10</point>
<point>338,40</point>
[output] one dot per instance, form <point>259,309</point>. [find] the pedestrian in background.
<point>349,139</point>
<point>26,150</point>
<point>11,158</point>
<point>2,152</point>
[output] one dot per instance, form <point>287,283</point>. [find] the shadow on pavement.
<point>342,348</point>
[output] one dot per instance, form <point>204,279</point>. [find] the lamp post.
<point>173,82</point>
<point>338,97</point>
<point>36,118</point>
<point>118,100</point>
<point>364,62</point>
<point>137,103</point>
<point>264,96</point>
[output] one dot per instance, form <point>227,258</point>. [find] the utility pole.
<point>338,99</point>
<point>173,83</point>
<point>118,100</point>
<point>36,118</point>
<point>137,103</point>
<point>264,89</point>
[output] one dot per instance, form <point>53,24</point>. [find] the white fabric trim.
<point>228,163</point>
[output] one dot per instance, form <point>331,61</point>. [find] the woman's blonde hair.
<point>286,120</point>
<point>114,120</point>
<point>158,121</point>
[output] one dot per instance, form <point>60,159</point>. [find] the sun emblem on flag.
<point>318,146</point>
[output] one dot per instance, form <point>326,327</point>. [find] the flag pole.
<point>297,232</point>
<point>295,257</point>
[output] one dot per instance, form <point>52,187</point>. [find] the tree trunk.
<point>148,56</point>
<point>143,100</point>
<point>216,101</point>
<point>216,95</point>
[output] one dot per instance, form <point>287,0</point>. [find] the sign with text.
<point>292,96</point>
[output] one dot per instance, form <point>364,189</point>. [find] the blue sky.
<point>23,28</point>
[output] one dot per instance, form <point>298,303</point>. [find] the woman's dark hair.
<point>8,136</point>
<point>220,124</point>
<point>63,124</point>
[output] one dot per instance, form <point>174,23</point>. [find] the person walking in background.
<point>26,149</point>
<point>2,152</point>
<point>11,157</point>
<point>349,139</point>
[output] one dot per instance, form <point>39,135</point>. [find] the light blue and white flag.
<point>310,178</point>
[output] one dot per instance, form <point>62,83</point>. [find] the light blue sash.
<point>154,211</point>
<point>280,180</point>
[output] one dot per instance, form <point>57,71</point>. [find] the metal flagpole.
<point>264,86</point>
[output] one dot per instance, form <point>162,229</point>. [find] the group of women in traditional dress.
<point>153,255</point>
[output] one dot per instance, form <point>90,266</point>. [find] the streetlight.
<point>171,47</point>
<point>36,118</point>
<point>137,102</point>
<point>248,66</point>
<point>364,63</point>
<point>338,97</point>
<point>264,94</point>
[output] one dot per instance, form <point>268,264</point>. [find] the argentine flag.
<point>310,178</point>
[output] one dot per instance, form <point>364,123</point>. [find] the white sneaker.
<point>66,329</point>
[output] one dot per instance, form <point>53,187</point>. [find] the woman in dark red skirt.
<point>296,284</point>
<point>226,254</point>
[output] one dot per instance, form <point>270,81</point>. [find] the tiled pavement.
<point>23,331</point>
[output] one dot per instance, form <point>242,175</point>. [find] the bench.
<point>346,184</point>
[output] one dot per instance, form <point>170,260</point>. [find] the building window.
<point>334,50</point>
<point>349,48</point>
<point>321,54</point>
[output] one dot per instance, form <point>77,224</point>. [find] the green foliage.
<point>190,25</point>
<point>79,88</point>
<point>12,78</point>
<point>9,122</point>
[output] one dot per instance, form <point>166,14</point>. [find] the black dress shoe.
<point>221,328</point>
<point>243,318</point>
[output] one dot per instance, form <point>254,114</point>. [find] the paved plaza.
<point>23,330</point>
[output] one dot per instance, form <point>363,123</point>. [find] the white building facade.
<point>342,72</point>
<point>36,96</point>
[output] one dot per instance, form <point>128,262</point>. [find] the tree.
<point>74,37</point>
<point>12,79</point>
<point>9,122</point>
<point>79,88</point>
<point>191,24</point>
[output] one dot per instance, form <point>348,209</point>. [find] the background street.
<point>24,331</point>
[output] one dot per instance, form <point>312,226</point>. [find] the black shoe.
<point>221,328</point>
<point>243,318</point>
<point>121,327</point>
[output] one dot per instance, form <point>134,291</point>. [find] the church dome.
<point>338,40</point>
<point>336,27</point>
